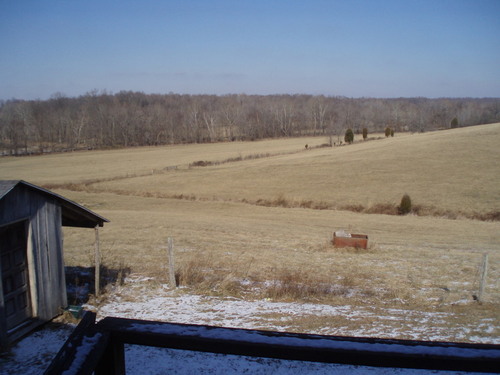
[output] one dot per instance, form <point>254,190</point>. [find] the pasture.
<point>257,222</point>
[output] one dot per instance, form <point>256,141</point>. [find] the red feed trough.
<point>355,240</point>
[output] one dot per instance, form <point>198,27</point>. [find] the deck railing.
<point>99,347</point>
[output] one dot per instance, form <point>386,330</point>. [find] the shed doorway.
<point>14,273</point>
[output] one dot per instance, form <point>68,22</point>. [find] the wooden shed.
<point>32,282</point>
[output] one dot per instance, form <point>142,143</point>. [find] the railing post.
<point>113,360</point>
<point>97,255</point>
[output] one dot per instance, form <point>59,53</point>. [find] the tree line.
<point>104,120</point>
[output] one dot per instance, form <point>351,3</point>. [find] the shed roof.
<point>73,214</point>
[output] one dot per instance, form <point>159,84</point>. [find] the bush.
<point>387,131</point>
<point>454,123</point>
<point>365,133</point>
<point>405,206</point>
<point>349,136</point>
<point>200,163</point>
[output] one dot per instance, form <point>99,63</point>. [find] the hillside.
<point>454,170</point>
<point>235,235</point>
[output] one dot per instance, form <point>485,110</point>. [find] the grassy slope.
<point>453,170</point>
<point>421,262</point>
<point>82,166</point>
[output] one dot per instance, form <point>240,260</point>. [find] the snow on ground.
<point>33,354</point>
<point>144,300</point>
<point>157,361</point>
<point>139,300</point>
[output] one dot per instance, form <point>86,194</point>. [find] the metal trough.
<point>359,241</point>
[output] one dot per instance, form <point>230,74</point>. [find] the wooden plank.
<point>87,321</point>
<point>484,272</point>
<point>56,299</point>
<point>4,341</point>
<point>303,347</point>
<point>97,256</point>
<point>14,206</point>
<point>82,351</point>
<point>112,361</point>
<point>171,263</point>
<point>30,253</point>
<point>39,255</point>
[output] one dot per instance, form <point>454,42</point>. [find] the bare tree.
<point>102,119</point>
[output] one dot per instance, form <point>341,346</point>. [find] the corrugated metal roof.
<point>73,214</point>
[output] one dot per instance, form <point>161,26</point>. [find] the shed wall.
<point>45,253</point>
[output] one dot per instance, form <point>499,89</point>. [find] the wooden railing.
<point>99,348</point>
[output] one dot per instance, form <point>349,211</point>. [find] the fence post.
<point>97,262</point>
<point>171,263</point>
<point>484,272</point>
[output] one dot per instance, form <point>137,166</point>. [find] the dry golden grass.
<point>412,260</point>
<point>227,244</point>
<point>77,167</point>
<point>453,171</point>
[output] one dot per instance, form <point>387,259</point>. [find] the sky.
<point>353,48</point>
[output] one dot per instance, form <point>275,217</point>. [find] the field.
<point>254,220</point>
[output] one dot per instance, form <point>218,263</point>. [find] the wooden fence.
<point>99,348</point>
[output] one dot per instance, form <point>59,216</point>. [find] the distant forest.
<point>102,120</point>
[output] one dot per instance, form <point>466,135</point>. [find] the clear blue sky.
<point>354,48</point>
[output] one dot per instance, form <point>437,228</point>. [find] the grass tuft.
<point>295,285</point>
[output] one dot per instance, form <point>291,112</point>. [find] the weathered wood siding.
<point>46,237</point>
<point>45,253</point>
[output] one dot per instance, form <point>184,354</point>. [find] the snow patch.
<point>33,354</point>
